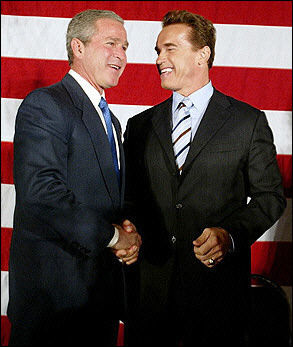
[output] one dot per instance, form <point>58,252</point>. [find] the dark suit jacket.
<point>232,157</point>
<point>67,197</point>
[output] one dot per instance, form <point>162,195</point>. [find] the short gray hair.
<point>83,26</point>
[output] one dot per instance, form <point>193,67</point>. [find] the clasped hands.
<point>212,246</point>
<point>214,243</point>
<point>128,244</point>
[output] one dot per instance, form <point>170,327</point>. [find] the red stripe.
<point>7,162</point>
<point>274,260</point>
<point>140,83</point>
<point>5,246</point>
<point>5,330</point>
<point>21,76</point>
<point>227,12</point>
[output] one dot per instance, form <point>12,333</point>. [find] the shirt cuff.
<point>232,249</point>
<point>114,239</point>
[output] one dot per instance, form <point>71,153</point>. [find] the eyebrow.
<point>166,45</point>
<point>116,40</point>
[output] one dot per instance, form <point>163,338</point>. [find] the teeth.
<point>114,66</point>
<point>166,70</point>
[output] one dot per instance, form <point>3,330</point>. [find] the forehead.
<point>110,27</point>
<point>174,33</point>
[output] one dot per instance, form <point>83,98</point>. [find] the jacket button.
<point>178,206</point>
<point>173,239</point>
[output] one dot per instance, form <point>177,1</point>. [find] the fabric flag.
<point>253,63</point>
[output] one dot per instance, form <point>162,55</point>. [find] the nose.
<point>161,58</point>
<point>120,53</point>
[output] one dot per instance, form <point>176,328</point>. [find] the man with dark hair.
<point>203,179</point>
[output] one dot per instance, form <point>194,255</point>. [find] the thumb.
<point>128,226</point>
<point>200,240</point>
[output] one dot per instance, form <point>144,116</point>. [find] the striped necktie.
<point>181,133</point>
<point>106,113</point>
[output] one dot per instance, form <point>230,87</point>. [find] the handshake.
<point>128,244</point>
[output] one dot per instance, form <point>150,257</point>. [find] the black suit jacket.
<point>232,158</point>
<point>67,197</point>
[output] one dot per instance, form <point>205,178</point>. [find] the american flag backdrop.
<point>253,63</point>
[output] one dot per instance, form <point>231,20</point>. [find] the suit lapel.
<point>161,121</point>
<point>101,144</point>
<point>121,152</point>
<point>213,120</point>
<point>98,136</point>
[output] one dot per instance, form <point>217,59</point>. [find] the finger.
<point>199,241</point>
<point>129,252</point>
<point>211,262</point>
<point>216,260</point>
<point>131,261</point>
<point>132,258</point>
<point>203,251</point>
<point>121,253</point>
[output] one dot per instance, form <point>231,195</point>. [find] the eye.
<point>110,43</point>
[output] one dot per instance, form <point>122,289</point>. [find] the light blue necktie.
<point>106,113</point>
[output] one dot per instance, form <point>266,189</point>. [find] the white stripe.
<point>10,106</point>
<point>7,205</point>
<point>236,45</point>
<point>9,109</point>
<point>280,122</point>
<point>4,292</point>
<point>251,46</point>
<point>124,112</point>
<point>281,125</point>
<point>282,229</point>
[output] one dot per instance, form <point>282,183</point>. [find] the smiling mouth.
<point>116,67</point>
<point>166,71</point>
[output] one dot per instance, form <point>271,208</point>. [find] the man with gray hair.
<point>66,283</point>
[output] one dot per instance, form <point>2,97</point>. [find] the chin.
<point>166,86</point>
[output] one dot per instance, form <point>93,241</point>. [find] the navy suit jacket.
<point>67,198</point>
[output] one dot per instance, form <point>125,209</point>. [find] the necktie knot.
<point>187,102</point>
<point>103,105</point>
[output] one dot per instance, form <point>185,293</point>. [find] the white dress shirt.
<point>200,99</point>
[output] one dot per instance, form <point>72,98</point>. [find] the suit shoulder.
<point>236,104</point>
<point>146,115</point>
<point>50,94</point>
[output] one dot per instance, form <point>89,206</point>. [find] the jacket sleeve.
<point>43,198</point>
<point>266,198</point>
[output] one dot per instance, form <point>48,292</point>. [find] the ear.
<point>204,55</point>
<point>77,47</point>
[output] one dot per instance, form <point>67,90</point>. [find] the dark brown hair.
<point>202,31</point>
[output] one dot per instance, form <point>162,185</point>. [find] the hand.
<point>127,247</point>
<point>214,243</point>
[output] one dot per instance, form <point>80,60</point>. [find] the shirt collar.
<point>200,98</point>
<point>90,91</point>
